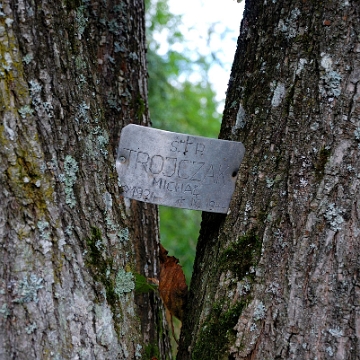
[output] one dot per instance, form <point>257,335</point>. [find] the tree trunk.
<point>278,277</point>
<point>73,73</point>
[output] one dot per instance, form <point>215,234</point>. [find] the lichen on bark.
<point>71,76</point>
<point>295,74</point>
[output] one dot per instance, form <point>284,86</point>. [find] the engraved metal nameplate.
<point>179,170</point>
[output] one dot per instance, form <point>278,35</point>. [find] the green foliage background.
<point>180,105</point>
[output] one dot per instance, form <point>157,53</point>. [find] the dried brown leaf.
<point>172,285</point>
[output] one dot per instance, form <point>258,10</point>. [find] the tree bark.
<point>73,73</point>
<point>278,277</point>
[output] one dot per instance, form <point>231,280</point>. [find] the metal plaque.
<point>179,170</point>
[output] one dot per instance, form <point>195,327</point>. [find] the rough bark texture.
<point>72,74</point>
<point>278,277</point>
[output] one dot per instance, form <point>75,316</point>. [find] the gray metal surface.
<point>178,170</point>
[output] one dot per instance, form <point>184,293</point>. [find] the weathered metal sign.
<point>178,170</point>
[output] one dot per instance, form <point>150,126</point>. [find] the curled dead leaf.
<point>172,284</point>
